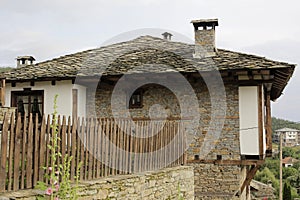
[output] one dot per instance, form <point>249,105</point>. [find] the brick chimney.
<point>167,36</point>
<point>24,60</point>
<point>205,45</point>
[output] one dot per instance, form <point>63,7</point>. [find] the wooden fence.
<point>103,146</point>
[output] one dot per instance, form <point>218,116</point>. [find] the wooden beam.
<point>2,92</point>
<point>260,123</point>
<point>268,125</point>
<point>249,177</point>
<point>74,103</point>
<point>228,162</point>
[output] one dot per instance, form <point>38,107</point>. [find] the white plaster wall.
<point>248,108</point>
<point>62,88</point>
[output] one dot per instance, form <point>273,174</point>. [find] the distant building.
<point>289,161</point>
<point>290,136</point>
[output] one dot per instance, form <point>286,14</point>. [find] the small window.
<point>28,101</point>
<point>136,100</point>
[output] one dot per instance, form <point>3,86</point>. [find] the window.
<point>28,101</point>
<point>136,100</point>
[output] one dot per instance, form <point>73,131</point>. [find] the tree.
<point>289,172</point>
<point>287,193</point>
<point>266,176</point>
<point>288,152</point>
<point>294,178</point>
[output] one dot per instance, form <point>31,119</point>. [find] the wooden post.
<point>2,92</point>
<point>280,169</point>
<point>268,125</point>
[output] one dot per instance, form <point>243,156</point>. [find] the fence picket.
<point>42,149</point>
<point>91,142</point>
<point>73,149</point>
<point>11,151</point>
<point>29,157</point>
<point>36,136</point>
<point>3,148</point>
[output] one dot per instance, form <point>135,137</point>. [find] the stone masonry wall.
<point>227,145</point>
<point>211,181</point>
<point>165,184</point>
<point>219,181</point>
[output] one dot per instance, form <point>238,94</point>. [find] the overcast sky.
<point>48,29</point>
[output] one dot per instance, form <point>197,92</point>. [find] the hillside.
<point>4,69</point>
<point>278,123</point>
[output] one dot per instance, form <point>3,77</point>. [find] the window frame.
<point>31,95</point>
<point>131,105</point>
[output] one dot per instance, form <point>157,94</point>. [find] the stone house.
<point>226,93</point>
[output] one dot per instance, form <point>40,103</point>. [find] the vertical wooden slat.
<point>48,142</point>
<point>11,150</point>
<point>131,147</point>
<point>94,147</point>
<point>103,148</point>
<point>63,138</point>
<point>99,148</point>
<point>151,143</point>
<point>86,149</point>
<point>78,145</point>
<point>4,142</point>
<point>24,142</point>
<point>118,156</point>
<point>43,147</point>
<point>106,154</point>
<point>29,153</point>
<point>58,142</point>
<point>126,135</point>
<point>36,150</point>
<point>185,142</point>
<point>17,146</point>
<point>114,142</point>
<point>68,137</point>
<point>73,148</point>
<point>123,139</point>
<point>110,146</point>
<point>82,135</point>
<point>141,140</point>
<point>90,149</point>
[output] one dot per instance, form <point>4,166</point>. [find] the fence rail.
<point>103,146</point>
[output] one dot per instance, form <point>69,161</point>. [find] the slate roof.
<point>287,130</point>
<point>289,160</point>
<point>147,51</point>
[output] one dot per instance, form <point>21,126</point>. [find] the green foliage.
<point>58,189</point>
<point>288,152</point>
<point>288,172</point>
<point>180,195</point>
<point>266,176</point>
<point>287,193</point>
<point>273,165</point>
<point>5,69</point>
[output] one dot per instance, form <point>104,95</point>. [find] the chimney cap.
<point>167,34</point>
<point>205,22</point>
<point>26,58</point>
